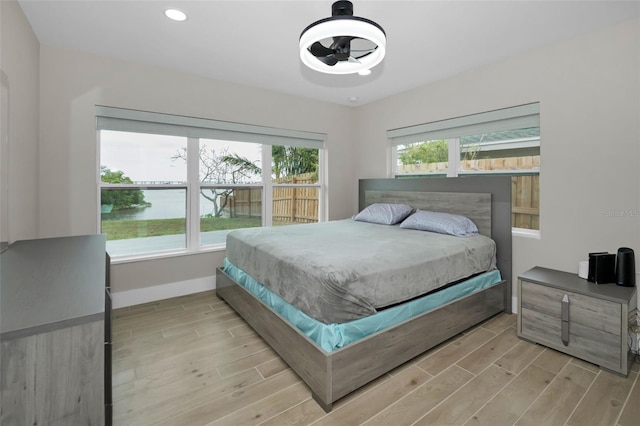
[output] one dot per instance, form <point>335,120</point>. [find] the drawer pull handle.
<point>565,319</point>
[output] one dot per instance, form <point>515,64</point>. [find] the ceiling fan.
<point>340,50</point>
<point>342,43</point>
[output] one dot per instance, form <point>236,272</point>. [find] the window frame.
<point>451,130</point>
<point>194,129</point>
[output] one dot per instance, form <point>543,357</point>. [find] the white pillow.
<point>384,213</point>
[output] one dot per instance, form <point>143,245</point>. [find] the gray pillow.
<point>443,223</point>
<point>384,213</point>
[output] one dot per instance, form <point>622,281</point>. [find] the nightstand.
<point>572,315</point>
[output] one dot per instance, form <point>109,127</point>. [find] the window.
<point>170,184</point>
<point>230,188</point>
<point>503,142</point>
<point>294,177</point>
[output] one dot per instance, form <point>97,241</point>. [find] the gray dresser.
<point>52,331</point>
<point>567,313</point>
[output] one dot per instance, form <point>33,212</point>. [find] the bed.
<point>332,373</point>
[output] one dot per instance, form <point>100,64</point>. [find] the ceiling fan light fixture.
<point>342,27</point>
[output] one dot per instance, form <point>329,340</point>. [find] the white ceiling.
<point>256,42</point>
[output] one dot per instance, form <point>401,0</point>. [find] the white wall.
<point>587,88</point>
<point>589,93</point>
<point>19,60</point>
<point>72,83</point>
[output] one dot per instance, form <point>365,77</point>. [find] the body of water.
<point>165,204</point>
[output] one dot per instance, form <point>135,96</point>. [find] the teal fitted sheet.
<point>334,336</point>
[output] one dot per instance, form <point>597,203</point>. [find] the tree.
<point>291,161</point>
<point>120,198</point>
<point>424,153</point>
<point>221,168</point>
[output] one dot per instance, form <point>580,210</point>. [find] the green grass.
<point>128,229</point>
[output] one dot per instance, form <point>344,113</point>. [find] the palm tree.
<point>291,161</point>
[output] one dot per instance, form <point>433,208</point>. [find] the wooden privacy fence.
<point>290,204</point>
<point>525,189</point>
<point>295,205</point>
<point>525,201</point>
<point>245,203</point>
<point>300,205</point>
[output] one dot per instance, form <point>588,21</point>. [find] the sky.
<point>130,153</point>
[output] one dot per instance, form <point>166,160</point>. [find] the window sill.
<point>525,233</point>
<point>166,254</point>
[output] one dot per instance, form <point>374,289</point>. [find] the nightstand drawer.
<point>592,345</point>
<point>597,314</point>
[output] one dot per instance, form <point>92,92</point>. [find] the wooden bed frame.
<point>332,375</point>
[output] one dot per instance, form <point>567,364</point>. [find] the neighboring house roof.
<point>505,135</point>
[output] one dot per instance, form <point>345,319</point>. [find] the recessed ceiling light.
<point>354,99</point>
<point>364,72</point>
<point>175,14</point>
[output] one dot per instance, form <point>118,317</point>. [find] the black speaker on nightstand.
<point>602,268</point>
<point>625,267</point>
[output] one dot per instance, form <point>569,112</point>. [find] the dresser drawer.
<point>594,325</point>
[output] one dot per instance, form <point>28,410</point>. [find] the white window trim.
<point>267,190</point>
<point>453,145</point>
<point>193,194</point>
<point>128,120</point>
<point>194,129</point>
<point>526,233</point>
<point>517,117</point>
<point>451,130</point>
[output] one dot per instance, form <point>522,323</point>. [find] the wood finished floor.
<point>192,361</point>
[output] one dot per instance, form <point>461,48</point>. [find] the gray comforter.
<point>343,270</point>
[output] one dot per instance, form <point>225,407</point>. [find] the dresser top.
<point>51,280</point>
<point>572,282</point>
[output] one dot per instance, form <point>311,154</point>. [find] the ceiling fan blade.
<point>329,60</point>
<point>318,50</point>
<point>360,50</point>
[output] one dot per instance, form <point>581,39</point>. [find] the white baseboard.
<point>138,296</point>
<point>514,304</point>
